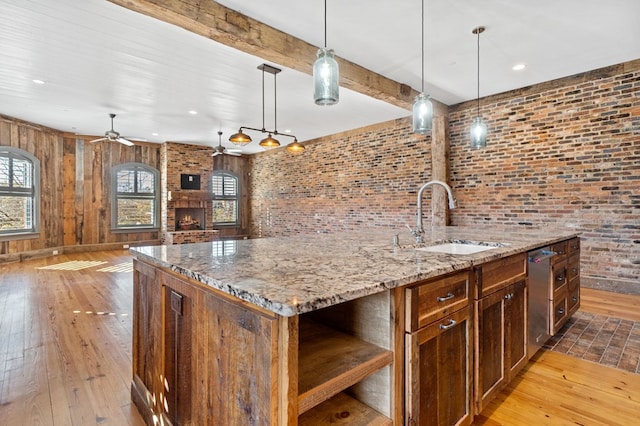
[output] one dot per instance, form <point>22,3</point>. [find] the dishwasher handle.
<point>540,256</point>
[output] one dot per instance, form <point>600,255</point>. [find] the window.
<point>19,192</point>
<point>226,194</point>
<point>136,198</point>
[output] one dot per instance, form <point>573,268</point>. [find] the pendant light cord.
<point>325,24</point>
<point>422,38</point>
<point>263,100</point>
<point>478,72</point>
<point>275,105</point>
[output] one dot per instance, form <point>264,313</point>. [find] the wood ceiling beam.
<point>226,26</point>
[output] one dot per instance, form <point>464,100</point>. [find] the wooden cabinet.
<point>187,340</point>
<point>500,331</point>
<point>564,290</point>
<point>438,352</point>
<point>202,357</point>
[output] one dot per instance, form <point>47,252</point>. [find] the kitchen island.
<point>295,330</point>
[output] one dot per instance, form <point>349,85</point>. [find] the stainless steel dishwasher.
<point>539,306</point>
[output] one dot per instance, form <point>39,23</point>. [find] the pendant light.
<point>326,73</point>
<point>478,131</point>
<point>422,106</point>
<point>270,141</point>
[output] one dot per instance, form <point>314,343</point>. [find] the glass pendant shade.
<point>269,142</point>
<point>295,147</point>
<point>478,133</point>
<point>422,114</point>
<point>325,78</point>
<point>240,138</point>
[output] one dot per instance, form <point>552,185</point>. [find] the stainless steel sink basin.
<point>461,247</point>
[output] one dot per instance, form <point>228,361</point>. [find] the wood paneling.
<point>75,196</point>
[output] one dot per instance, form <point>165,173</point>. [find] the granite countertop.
<point>298,274</point>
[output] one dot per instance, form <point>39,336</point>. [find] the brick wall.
<point>363,178</point>
<point>564,153</point>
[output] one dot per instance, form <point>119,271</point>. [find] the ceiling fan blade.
<point>230,150</point>
<point>235,154</point>
<point>98,140</point>
<point>124,141</point>
<point>216,153</point>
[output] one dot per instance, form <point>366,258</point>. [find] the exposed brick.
<point>560,154</point>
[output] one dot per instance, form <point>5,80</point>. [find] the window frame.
<point>115,196</point>
<point>33,193</point>
<point>236,198</point>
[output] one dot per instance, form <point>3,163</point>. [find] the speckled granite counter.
<point>298,274</point>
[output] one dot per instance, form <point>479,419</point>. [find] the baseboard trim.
<point>611,284</point>
<point>54,251</point>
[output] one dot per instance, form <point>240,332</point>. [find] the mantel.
<point>192,195</point>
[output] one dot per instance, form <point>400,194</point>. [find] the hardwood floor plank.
<point>617,305</point>
<point>67,349</point>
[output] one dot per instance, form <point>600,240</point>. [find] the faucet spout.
<point>452,205</point>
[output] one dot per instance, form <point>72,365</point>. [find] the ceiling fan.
<point>222,150</point>
<point>113,136</point>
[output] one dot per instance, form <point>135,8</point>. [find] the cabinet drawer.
<point>561,252</point>
<point>559,276</point>
<point>573,245</point>
<point>433,300</point>
<point>573,267</point>
<point>573,303</point>
<point>498,274</point>
<point>559,312</point>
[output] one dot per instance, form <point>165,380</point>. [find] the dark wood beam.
<point>226,26</point>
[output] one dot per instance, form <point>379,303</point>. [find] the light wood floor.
<point>65,355</point>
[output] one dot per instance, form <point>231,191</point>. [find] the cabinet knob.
<point>560,278</point>
<point>448,326</point>
<point>574,299</point>
<point>561,311</point>
<point>508,296</point>
<point>449,296</point>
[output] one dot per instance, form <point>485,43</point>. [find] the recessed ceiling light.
<point>36,81</point>
<point>518,67</point>
<point>154,134</point>
<point>287,131</point>
<point>193,112</point>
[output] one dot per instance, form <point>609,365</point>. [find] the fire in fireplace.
<point>189,219</point>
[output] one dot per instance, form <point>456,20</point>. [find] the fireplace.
<point>188,219</point>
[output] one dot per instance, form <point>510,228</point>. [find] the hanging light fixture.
<point>326,73</point>
<point>270,141</point>
<point>478,131</point>
<point>422,106</point>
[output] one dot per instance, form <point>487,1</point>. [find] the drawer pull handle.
<point>448,326</point>
<point>560,278</point>
<point>508,296</point>
<point>449,296</point>
<point>561,311</point>
<point>574,299</point>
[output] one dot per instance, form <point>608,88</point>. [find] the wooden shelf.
<point>330,361</point>
<point>343,410</point>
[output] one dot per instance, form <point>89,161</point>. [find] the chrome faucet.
<point>419,231</point>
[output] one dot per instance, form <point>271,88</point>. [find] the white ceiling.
<point>97,58</point>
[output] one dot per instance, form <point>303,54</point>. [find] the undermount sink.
<point>461,247</point>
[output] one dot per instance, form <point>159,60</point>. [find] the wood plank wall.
<point>75,187</point>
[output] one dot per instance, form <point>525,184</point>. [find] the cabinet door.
<point>489,346</point>
<point>516,328</point>
<point>438,372</point>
